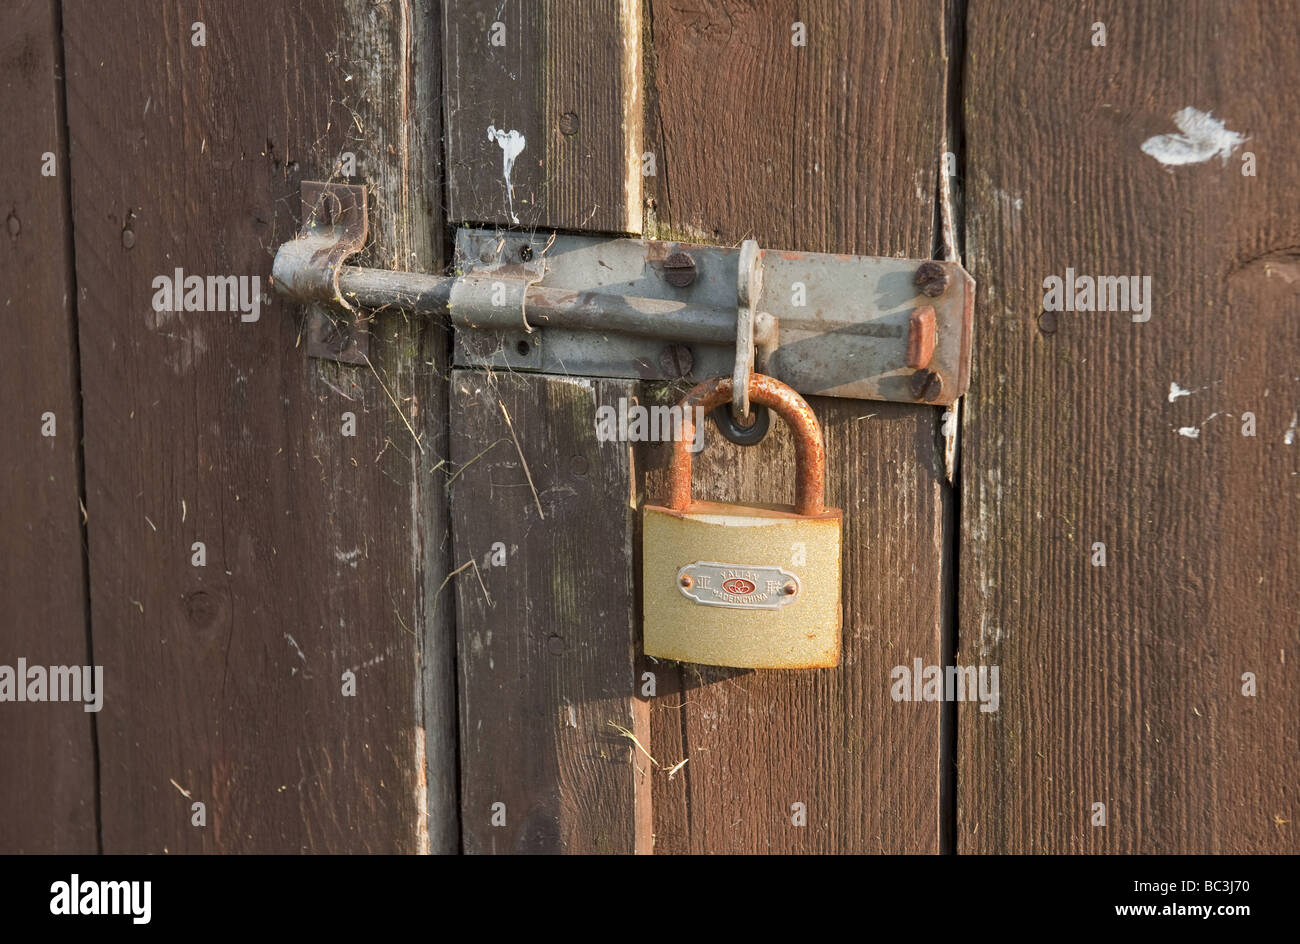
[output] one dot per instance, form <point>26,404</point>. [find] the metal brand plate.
<point>744,586</point>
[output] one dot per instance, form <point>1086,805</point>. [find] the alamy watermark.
<point>78,897</point>
<point>1130,293</point>
<point>921,682</point>
<point>636,423</point>
<point>181,292</point>
<point>84,683</point>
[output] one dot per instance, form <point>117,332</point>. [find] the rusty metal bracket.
<point>826,324</point>
<point>306,269</point>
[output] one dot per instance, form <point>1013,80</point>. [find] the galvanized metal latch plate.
<point>846,326</point>
<point>831,325</point>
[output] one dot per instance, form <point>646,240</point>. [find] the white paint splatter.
<point>1176,391</point>
<point>1202,138</point>
<point>1008,201</point>
<point>301,655</point>
<point>1289,438</point>
<point>512,145</point>
<point>348,557</point>
<point>367,664</point>
<point>1194,432</point>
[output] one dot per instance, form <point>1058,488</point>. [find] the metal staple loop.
<point>749,281</point>
<point>810,453</point>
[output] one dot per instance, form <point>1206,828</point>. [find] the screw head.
<point>789,589</point>
<point>925,385</point>
<point>526,252</point>
<point>679,270</point>
<point>1047,322</point>
<point>568,123</point>
<point>687,582</point>
<point>932,279</point>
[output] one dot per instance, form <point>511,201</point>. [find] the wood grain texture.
<point>47,778</point>
<point>828,147</point>
<point>1122,684</point>
<point>546,601</point>
<point>565,76</point>
<point>225,681</point>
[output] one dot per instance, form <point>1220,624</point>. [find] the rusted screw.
<point>568,123</point>
<point>1047,322</point>
<point>676,361</point>
<point>679,270</point>
<point>932,278</point>
<point>526,252</point>
<point>789,589</point>
<point>687,582</point>
<point>925,385</point>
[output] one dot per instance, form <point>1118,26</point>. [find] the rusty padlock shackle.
<point>810,453</point>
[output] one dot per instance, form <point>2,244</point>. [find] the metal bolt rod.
<point>667,319</point>
<point>412,292</point>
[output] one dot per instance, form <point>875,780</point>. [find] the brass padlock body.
<point>748,586</point>
<point>746,539</point>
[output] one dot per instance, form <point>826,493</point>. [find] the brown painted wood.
<point>47,779</point>
<point>565,76</point>
<point>1122,684</point>
<point>546,603</point>
<point>864,767</point>
<point>225,681</point>
<point>828,147</point>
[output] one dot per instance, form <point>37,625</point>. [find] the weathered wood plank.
<point>226,681</point>
<point>47,779</point>
<point>546,599</point>
<point>553,90</point>
<point>1123,684</point>
<point>830,146</point>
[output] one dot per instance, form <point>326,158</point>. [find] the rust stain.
<point>810,453</point>
<point>921,332</point>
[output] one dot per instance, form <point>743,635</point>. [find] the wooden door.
<point>748,136</point>
<point>1162,683</point>
<point>395,606</point>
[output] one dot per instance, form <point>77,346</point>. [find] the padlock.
<point>751,586</point>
